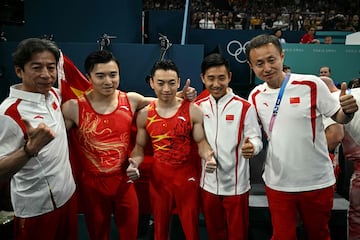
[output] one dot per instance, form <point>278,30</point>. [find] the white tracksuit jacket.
<point>227,122</point>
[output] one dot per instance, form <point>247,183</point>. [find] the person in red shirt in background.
<point>309,37</point>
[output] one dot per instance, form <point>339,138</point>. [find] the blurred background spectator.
<point>354,24</point>
<point>278,33</point>
<point>328,15</point>
<point>354,83</point>
<point>309,37</point>
<point>328,40</point>
<point>207,21</point>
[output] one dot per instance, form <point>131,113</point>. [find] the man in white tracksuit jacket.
<point>232,129</point>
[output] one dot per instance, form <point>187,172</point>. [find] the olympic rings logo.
<point>237,50</point>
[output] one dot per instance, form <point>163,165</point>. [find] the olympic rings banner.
<point>302,58</point>
<point>237,50</point>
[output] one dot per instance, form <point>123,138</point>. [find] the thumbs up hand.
<point>343,89</point>
<point>189,92</point>
<point>132,171</point>
<point>210,163</point>
<point>37,137</point>
<point>347,101</point>
<point>247,148</point>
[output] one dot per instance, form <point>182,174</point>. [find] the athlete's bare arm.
<point>204,147</point>
<point>70,111</point>
<point>138,101</point>
<point>334,135</point>
<point>137,154</point>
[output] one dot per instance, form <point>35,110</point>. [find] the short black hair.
<point>27,47</point>
<point>100,56</point>
<point>164,65</point>
<point>262,40</point>
<point>214,60</point>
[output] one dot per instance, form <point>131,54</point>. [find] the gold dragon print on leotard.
<point>104,149</point>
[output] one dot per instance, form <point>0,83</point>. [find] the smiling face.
<point>39,74</point>
<point>165,84</point>
<point>267,63</point>
<point>105,78</point>
<point>216,80</point>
